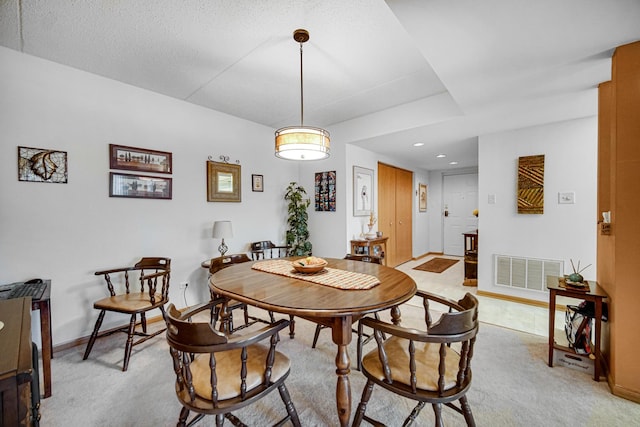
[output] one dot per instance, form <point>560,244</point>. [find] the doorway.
<point>460,198</point>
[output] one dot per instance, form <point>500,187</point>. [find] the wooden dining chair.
<point>363,338</point>
<point>260,249</point>
<point>217,374</point>
<point>218,264</point>
<point>429,365</point>
<point>153,292</point>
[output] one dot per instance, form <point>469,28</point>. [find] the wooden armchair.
<point>218,264</point>
<point>259,249</point>
<point>218,374</point>
<point>432,365</point>
<point>154,274</point>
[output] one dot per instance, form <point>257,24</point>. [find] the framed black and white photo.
<point>362,191</point>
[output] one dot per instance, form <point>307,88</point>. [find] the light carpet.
<point>512,386</point>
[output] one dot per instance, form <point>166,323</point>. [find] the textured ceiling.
<point>378,74</point>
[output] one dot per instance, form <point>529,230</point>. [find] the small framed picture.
<point>139,159</point>
<point>139,186</point>
<point>256,183</point>
<point>422,193</point>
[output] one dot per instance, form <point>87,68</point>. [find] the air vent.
<point>525,273</point>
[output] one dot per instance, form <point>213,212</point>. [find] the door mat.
<point>436,265</point>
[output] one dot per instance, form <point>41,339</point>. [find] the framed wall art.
<point>256,183</point>
<point>139,159</point>
<point>139,186</point>
<point>531,184</point>
<point>325,189</point>
<point>223,182</point>
<point>362,191</point>
<point>422,197</point>
<point>42,165</point>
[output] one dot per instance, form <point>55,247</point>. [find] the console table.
<point>374,246</point>
<point>595,294</point>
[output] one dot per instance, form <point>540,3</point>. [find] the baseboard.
<point>426,255</point>
<point>83,340</point>
<point>622,392</point>
<point>520,300</point>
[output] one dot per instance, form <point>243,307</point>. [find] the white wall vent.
<point>525,273</point>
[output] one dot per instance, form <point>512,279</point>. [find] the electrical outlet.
<point>183,285</point>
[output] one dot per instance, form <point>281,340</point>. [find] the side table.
<point>376,246</point>
<point>595,294</point>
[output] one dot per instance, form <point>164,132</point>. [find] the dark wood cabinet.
<point>470,259</point>
<point>16,364</point>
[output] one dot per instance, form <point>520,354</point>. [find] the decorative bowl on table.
<point>309,265</point>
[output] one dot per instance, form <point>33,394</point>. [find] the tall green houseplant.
<point>297,220</point>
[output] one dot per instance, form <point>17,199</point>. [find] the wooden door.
<point>387,209</point>
<point>404,199</point>
<point>395,189</point>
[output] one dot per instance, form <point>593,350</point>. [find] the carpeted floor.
<point>512,386</point>
<point>436,265</point>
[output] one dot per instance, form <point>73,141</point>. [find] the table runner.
<point>340,279</point>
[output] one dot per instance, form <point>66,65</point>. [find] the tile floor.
<point>513,315</point>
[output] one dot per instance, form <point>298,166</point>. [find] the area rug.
<point>436,265</point>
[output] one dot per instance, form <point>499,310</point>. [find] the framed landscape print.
<point>362,191</point>
<point>223,182</point>
<point>139,159</point>
<point>139,186</point>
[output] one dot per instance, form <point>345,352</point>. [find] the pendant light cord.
<point>301,91</point>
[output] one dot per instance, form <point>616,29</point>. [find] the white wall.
<point>564,231</point>
<point>65,232</point>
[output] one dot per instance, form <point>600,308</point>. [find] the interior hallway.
<point>513,315</point>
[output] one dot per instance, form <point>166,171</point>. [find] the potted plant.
<point>297,220</point>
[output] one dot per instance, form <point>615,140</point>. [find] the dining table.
<point>337,297</point>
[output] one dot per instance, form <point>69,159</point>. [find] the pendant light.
<point>302,142</point>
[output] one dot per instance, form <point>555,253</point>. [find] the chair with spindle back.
<point>225,261</point>
<point>154,274</point>
<point>429,364</point>
<point>217,374</point>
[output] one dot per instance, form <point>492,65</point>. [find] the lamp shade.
<point>302,143</point>
<point>222,230</point>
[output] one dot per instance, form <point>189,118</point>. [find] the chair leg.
<point>94,334</point>
<point>143,322</point>
<point>316,335</point>
<point>466,411</point>
<point>129,345</point>
<point>291,410</point>
<point>184,414</point>
<point>219,420</point>
<point>292,327</point>
<point>362,407</point>
<point>437,410</point>
<point>414,414</point>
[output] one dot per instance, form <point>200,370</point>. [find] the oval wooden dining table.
<point>330,306</point>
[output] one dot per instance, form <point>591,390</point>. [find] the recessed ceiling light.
<point>418,144</point>
<point>453,163</point>
<point>440,156</point>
